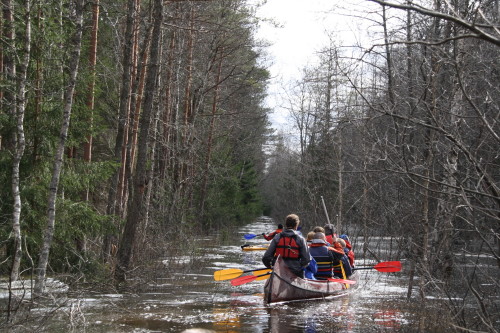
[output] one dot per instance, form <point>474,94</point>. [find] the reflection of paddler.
<point>388,318</point>
<point>227,321</point>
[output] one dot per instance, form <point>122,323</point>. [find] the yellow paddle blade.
<point>227,274</point>
<point>262,271</point>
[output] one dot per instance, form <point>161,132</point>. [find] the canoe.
<point>284,286</point>
<point>254,248</point>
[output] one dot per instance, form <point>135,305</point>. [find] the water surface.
<point>190,298</point>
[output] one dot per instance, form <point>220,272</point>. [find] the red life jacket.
<point>287,247</point>
<point>331,238</point>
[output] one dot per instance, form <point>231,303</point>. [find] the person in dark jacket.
<point>348,249</point>
<point>325,256</point>
<point>290,246</point>
<point>338,247</point>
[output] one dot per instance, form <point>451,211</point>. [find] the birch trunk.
<point>59,155</point>
<point>20,144</point>
<point>10,106</point>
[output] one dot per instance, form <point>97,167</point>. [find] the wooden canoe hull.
<point>284,286</point>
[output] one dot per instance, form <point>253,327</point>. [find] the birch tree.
<point>19,140</point>
<point>59,154</point>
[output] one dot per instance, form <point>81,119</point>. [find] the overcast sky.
<point>304,26</point>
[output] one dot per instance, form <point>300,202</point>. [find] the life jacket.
<point>323,260</point>
<point>287,247</point>
<point>350,255</point>
<point>325,266</point>
<point>343,269</point>
<point>331,238</point>
<point>336,249</point>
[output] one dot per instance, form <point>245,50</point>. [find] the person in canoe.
<point>326,257</point>
<point>348,249</point>
<point>290,246</point>
<point>271,235</point>
<point>338,247</point>
<point>331,236</point>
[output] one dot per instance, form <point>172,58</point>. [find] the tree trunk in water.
<point>19,144</point>
<point>123,120</point>
<point>136,207</point>
<point>59,155</point>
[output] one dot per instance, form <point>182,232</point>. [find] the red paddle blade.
<point>242,280</point>
<point>388,266</point>
<point>343,281</point>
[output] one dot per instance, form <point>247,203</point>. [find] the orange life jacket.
<point>287,247</point>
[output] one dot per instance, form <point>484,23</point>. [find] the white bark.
<point>58,158</point>
<point>20,144</point>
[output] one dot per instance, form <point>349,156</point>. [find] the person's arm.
<point>267,258</point>
<point>270,236</point>
<point>304,255</point>
<point>347,266</point>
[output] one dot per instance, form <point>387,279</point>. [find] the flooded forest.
<point>137,151</point>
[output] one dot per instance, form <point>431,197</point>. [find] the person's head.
<point>319,235</point>
<point>280,226</point>
<point>341,242</point>
<point>329,229</point>
<point>344,237</point>
<point>292,221</point>
<point>319,229</point>
<point>310,235</point>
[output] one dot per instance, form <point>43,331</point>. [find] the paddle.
<point>232,273</point>
<point>250,236</point>
<point>342,281</point>
<point>248,278</point>
<point>387,267</point>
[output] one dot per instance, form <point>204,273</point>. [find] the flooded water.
<point>193,300</point>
